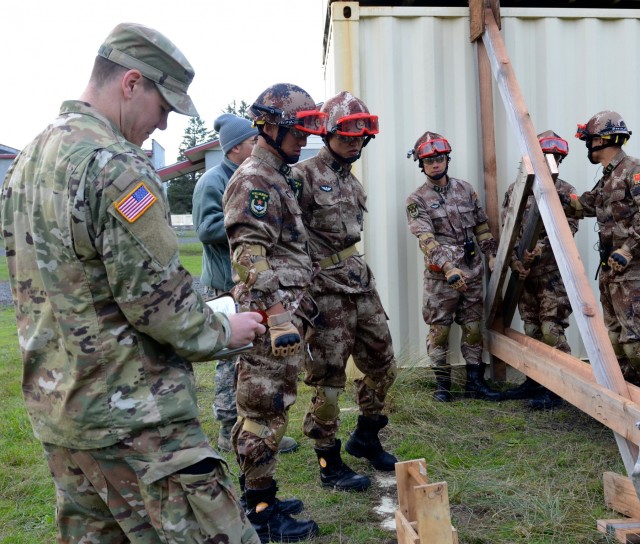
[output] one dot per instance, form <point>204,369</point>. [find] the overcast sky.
<point>237,47</point>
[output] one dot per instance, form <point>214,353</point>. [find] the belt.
<point>337,258</point>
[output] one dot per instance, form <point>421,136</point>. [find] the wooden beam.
<point>476,19</point>
<point>620,495</point>
<point>569,378</point>
<point>510,233</point>
<point>585,307</point>
<point>530,234</point>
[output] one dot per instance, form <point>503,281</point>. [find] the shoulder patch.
<point>412,210</point>
<point>258,202</point>
<point>636,179</point>
<point>138,201</point>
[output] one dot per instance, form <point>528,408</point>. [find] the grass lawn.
<point>514,476</point>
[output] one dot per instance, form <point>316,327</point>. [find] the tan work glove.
<point>519,269</point>
<point>285,338</point>
<point>619,259</point>
<point>455,278</point>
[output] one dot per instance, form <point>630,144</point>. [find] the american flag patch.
<point>135,203</point>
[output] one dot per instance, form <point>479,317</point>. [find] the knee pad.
<point>439,335</point>
<point>553,334</point>
<point>617,346</point>
<point>382,385</point>
<point>532,330</point>
<point>632,351</point>
<point>324,405</point>
<point>471,334</point>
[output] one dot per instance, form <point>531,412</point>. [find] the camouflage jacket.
<point>333,208</point>
<point>263,223</point>
<point>451,216</point>
<point>546,262</point>
<point>615,203</point>
<point>107,317</point>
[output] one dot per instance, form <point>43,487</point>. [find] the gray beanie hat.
<point>233,130</point>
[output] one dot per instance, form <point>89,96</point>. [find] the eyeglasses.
<point>554,145</point>
<point>437,158</point>
<point>433,147</point>
<point>358,124</point>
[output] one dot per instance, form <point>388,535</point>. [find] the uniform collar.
<point>340,168</point>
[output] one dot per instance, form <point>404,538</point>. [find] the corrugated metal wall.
<point>417,70</point>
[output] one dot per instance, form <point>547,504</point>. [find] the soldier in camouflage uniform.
<point>445,215</point>
<point>351,320</point>
<point>237,137</point>
<point>615,203</point>
<point>107,317</point>
<point>544,304</point>
<point>272,271</point>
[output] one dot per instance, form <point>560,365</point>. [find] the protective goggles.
<point>358,124</point>
<point>554,145</point>
<point>308,121</point>
<point>582,133</point>
<point>433,147</point>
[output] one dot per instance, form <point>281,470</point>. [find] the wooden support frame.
<point>585,307</point>
<point>423,515</point>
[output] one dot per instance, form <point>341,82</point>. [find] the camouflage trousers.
<point>442,305</point>
<point>164,485</point>
<point>224,402</point>
<point>544,299</point>
<point>266,388</point>
<point>347,325</point>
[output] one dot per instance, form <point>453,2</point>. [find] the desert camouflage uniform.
<point>544,298</point>
<point>450,214</point>
<point>615,202</point>
<point>351,319</point>
<point>271,264</point>
<point>108,325</point>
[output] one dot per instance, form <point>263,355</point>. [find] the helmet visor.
<point>581,132</point>
<point>554,145</point>
<point>358,124</point>
<point>433,147</point>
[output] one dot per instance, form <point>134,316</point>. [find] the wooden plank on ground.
<point>558,372</point>
<point>620,495</point>
<point>405,530</point>
<point>408,474</point>
<point>624,530</point>
<point>434,518</point>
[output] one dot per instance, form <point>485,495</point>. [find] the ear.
<point>130,80</point>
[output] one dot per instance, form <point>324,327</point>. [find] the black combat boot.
<point>336,474</point>
<point>528,389</point>
<point>477,388</point>
<point>364,442</point>
<point>443,385</point>
<point>286,506</point>
<point>270,523</point>
<point>547,401</point>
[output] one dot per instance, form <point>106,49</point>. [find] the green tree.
<point>241,111</point>
<point>180,190</point>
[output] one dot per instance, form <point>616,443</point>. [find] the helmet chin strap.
<point>277,143</point>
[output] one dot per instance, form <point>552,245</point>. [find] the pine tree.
<point>180,190</point>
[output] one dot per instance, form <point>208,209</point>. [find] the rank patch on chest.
<point>258,203</point>
<point>138,201</point>
<point>326,188</point>
<point>412,210</point>
<point>636,179</point>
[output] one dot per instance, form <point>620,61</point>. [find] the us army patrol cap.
<point>138,47</point>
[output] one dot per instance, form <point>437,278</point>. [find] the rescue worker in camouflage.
<point>351,319</point>
<point>237,137</point>
<point>272,271</point>
<point>108,320</point>
<point>615,202</point>
<point>445,215</point>
<point>544,304</point>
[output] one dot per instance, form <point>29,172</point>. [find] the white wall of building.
<point>417,70</point>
